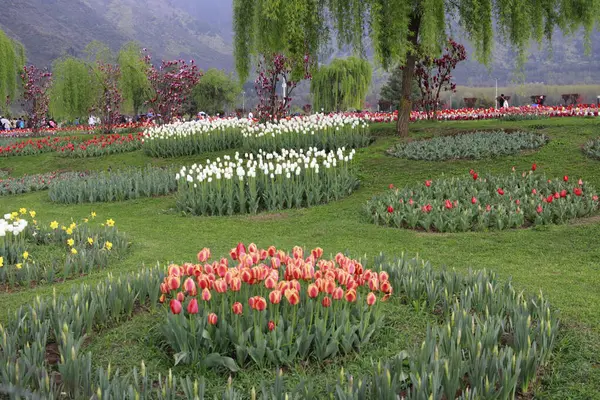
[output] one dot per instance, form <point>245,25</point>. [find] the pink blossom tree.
<point>272,70</point>
<point>110,97</point>
<point>435,74</point>
<point>36,86</point>
<point>172,85</point>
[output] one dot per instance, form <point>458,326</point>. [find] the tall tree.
<point>36,87</point>
<point>12,60</point>
<point>401,31</point>
<point>134,82</point>
<point>391,92</point>
<point>215,91</point>
<point>341,85</point>
<point>73,92</point>
<point>109,96</point>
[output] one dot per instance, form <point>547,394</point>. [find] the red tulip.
<point>563,193</point>
<point>556,195</point>
<point>448,204</point>
<point>534,167</point>
<point>595,198</point>
<point>550,199</point>
<point>475,176</point>
<point>518,202</point>
<point>206,295</point>
<point>181,296</point>
<point>270,282</point>
<point>473,200</point>
<point>539,209</point>
<point>386,287</point>
<point>260,304</point>
<point>338,293</point>
<point>326,302</point>
<point>192,307</point>
<point>391,186</point>
<point>371,299</point>
<point>271,325</point>
<point>566,178</point>
<point>162,298</point>
<point>428,183</point>
<point>471,172</point>
<point>313,291</point>
<point>577,191</point>
<point>190,287</point>
<point>292,296</point>
<point>203,255</point>
<point>580,183</point>
<point>500,192</point>
<point>237,308</point>
<point>390,209</point>
<point>275,297</point>
<point>212,319</point>
<point>533,191</point>
<point>173,282</point>
<point>350,296</point>
<point>175,306</point>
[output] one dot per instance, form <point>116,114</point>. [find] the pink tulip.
<point>192,307</point>
<point>175,306</point>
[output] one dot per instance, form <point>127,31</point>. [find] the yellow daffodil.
<point>53,225</point>
<point>85,220</point>
<point>69,231</point>
<point>32,213</point>
<point>14,215</point>
<point>90,240</point>
<point>73,225</point>
<point>70,242</point>
<point>23,211</point>
<point>1,262</point>
<point>93,214</point>
<point>110,222</point>
<point>19,266</point>
<point>64,228</point>
<point>108,245</point>
<point>35,222</point>
<point>25,255</point>
<point>73,250</point>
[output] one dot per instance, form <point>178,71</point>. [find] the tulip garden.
<point>320,257</point>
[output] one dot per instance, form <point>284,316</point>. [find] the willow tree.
<point>73,92</point>
<point>341,85</point>
<point>401,31</point>
<point>134,84</point>
<point>12,60</point>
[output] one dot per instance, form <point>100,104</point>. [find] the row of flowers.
<point>461,114</point>
<point>74,130</point>
<point>479,203</point>
<point>491,342</point>
<point>475,145</point>
<point>74,146</point>
<point>270,307</point>
<point>85,246</point>
<point>325,132</point>
<point>32,183</point>
<point>265,181</point>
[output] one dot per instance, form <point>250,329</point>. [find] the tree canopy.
<point>215,92</point>
<point>12,60</point>
<point>400,30</point>
<point>134,82</point>
<point>341,85</point>
<point>73,91</point>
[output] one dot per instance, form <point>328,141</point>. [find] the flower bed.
<point>85,247</point>
<point>486,322</point>
<point>326,132</point>
<point>478,203</point>
<point>270,307</point>
<point>469,146</point>
<point>74,146</point>
<point>120,185</point>
<point>195,137</point>
<point>32,183</point>
<point>267,181</point>
<point>592,148</point>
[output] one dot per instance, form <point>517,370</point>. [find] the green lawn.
<point>562,261</point>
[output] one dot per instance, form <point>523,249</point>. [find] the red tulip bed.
<point>484,202</point>
<point>75,146</point>
<point>270,307</point>
<point>73,130</point>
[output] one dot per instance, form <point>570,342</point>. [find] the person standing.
<point>5,123</point>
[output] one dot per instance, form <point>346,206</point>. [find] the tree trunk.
<point>406,104</point>
<point>408,73</point>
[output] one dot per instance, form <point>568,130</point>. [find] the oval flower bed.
<point>266,181</point>
<point>478,203</point>
<point>469,146</point>
<point>592,148</point>
<point>84,246</point>
<point>484,322</point>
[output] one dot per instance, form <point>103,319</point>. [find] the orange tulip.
<point>236,284</point>
<point>350,296</point>
<point>164,288</point>
<point>206,295</point>
<point>203,255</point>
<point>313,291</point>
<point>212,319</point>
<point>271,251</point>
<point>260,304</point>
<point>271,325</point>
<point>174,270</point>
<point>192,307</point>
<point>270,282</point>
<point>175,306</point>
<point>220,286</point>
<point>190,287</point>
<point>386,287</point>
<point>338,293</point>
<point>371,299</point>
<point>292,296</point>
<point>237,308</point>
<point>326,301</point>
<point>263,254</point>
<point>330,286</point>
<point>317,253</point>
<point>181,296</point>
<point>173,282</point>
<point>384,276</point>
<point>251,302</point>
<point>222,270</point>
<point>252,248</point>
<point>275,297</point>
<point>162,298</point>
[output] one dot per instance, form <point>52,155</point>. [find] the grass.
<point>562,261</point>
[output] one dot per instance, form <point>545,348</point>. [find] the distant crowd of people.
<point>9,124</point>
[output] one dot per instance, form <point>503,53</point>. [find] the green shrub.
<point>120,185</point>
<point>33,183</point>
<point>469,146</point>
<point>523,117</point>
<point>592,148</point>
<point>493,202</point>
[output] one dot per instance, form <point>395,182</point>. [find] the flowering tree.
<point>435,74</point>
<point>110,97</point>
<point>36,87</point>
<point>172,83</point>
<point>272,70</point>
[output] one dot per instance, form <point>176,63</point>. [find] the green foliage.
<point>523,117</point>
<point>107,186</point>
<point>493,202</point>
<point>12,60</point>
<point>267,181</point>
<point>342,85</point>
<point>73,92</point>
<point>32,183</point>
<point>215,92</point>
<point>592,148</point>
<point>472,146</point>
<point>134,81</point>
<point>391,92</point>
